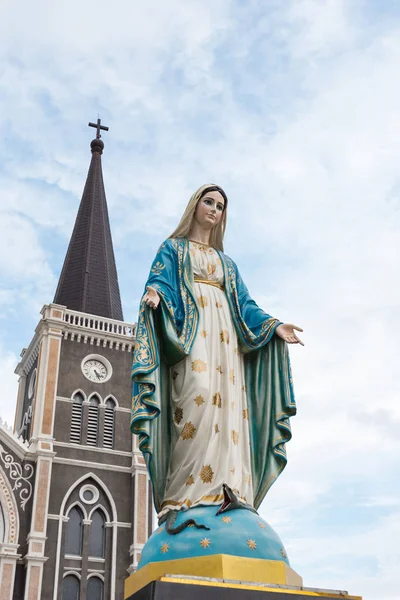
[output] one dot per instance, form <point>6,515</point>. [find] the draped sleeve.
<point>163,338</point>
<point>269,386</point>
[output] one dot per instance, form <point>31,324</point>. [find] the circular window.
<point>89,494</point>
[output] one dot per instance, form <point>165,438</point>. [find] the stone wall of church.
<point>112,468</point>
<point>72,378</point>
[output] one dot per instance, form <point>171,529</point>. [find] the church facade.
<point>75,498</point>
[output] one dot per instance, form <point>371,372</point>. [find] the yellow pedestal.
<point>217,566</point>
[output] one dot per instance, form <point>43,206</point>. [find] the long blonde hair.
<point>186,222</point>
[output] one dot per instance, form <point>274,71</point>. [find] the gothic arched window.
<point>75,436</point>
<point>93,421</point>
<point>97,535</point>
<point>70,588</point>
<point>95,589</point>
<point>73,544</point>
<point>109,423</point>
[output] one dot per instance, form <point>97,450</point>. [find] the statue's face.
<point>209,210</point>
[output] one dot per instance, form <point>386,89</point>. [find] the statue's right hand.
<point>151,298</point>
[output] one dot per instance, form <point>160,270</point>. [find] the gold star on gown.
<point>199,400</point>
<point>190,480</point>
<point>226,520</point>
<point>198,365</point>
<point>251,544</point>
<point>203,301</point>
<point>217,400</point>
<point>164,548</point>
<point>205,542</point>
<point>188,431</point>
<point>224,336</point>
<point>235,437</point>
<point>206,474</point>
<point>178,415</point>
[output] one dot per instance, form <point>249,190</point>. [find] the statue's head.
<point>216,193</point>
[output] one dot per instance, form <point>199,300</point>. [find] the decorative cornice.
<point>15,444</point>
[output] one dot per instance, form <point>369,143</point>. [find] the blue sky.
<point>293,107</point>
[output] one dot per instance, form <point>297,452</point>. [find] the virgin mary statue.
<point>212,387</point>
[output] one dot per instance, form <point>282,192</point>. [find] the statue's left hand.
<point>286,332</point>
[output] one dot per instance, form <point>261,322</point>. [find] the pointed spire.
<point>89,281</point>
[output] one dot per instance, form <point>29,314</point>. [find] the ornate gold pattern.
<point>205,542</point>
<point>216,428</point>
<point>235,437</point>
<point>246,413</point>
<point>188,431</point>
<point>201,247</point>
<point>224,336</point>
<point>199,366</point>
<point>216,498</point>
<point>226,520</point>
<point>251,544</point>
<point>217,400</point>
<point>243,388</point>
<point>232,376</point>
<point>233,471</point>
<point>206,474</point>
<point>219,369</point>
<point>199,400</point>
<point>190,480</point>
<point>203,333</point>
<point>178,415</point>
<point>158,268</point>
<point>248,479</point>
<point>211,269</point>
<point>218,304</point>
<point>212,282</point>
<point>164,548</point>
<point>203,301</point>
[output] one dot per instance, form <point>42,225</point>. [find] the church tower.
<point>86,512</point>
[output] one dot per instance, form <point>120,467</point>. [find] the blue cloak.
<point>165,336</point>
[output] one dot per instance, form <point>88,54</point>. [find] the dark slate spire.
<point>89,280</point>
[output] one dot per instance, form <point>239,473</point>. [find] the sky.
<point>293,107</point>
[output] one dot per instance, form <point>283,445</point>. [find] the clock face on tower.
<point>96,368</point>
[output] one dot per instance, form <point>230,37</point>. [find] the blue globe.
<point>237,532</point>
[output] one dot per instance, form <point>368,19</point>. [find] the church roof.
<point>89,281</point>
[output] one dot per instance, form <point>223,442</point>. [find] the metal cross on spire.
<point>99,127</point>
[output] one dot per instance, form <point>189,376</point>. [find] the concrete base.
<point>174,587</point>
<point>217,566</point>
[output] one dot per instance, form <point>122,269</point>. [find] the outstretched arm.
<point>286,331</point>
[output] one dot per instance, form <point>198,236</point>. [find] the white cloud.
<point>295,110</point>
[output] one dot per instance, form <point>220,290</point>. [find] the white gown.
<point>210,432</point>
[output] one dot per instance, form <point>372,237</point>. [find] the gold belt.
<point>209,282</point>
